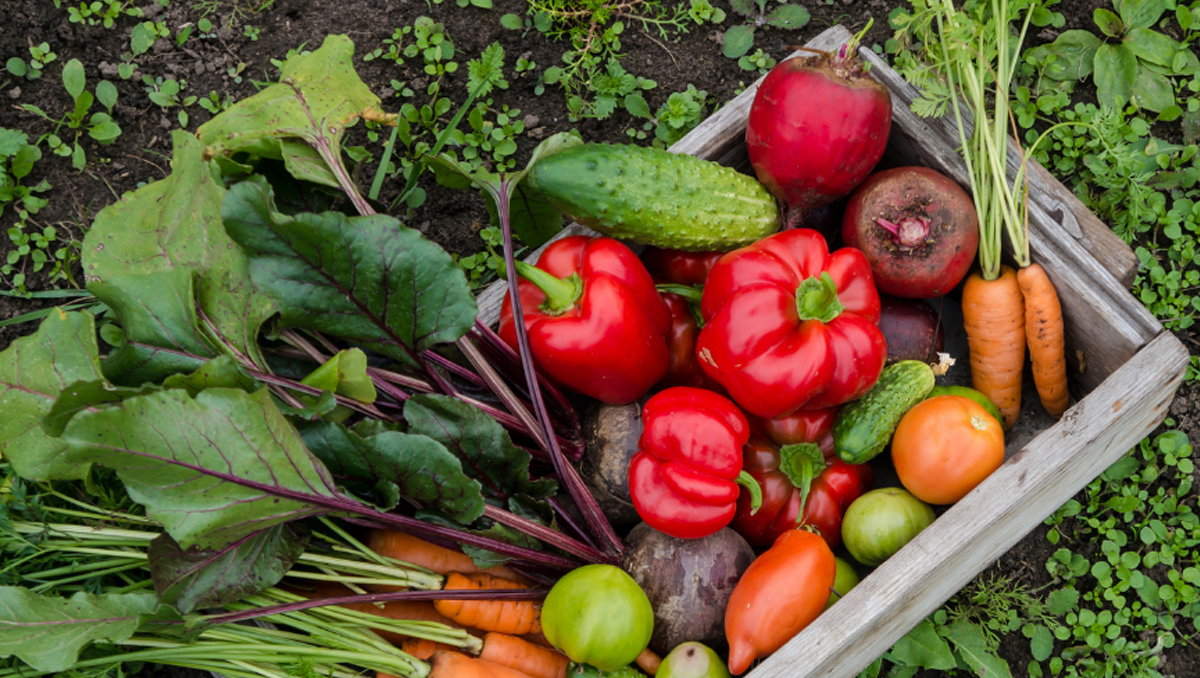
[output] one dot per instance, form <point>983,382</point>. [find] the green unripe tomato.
<point>881,522</point>
<point>692,660</point>
<point>598,615</point>
<point>844,580</point>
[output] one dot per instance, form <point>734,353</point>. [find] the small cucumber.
<point>864,427</point>
<point>657,198</point>
<point>968,392</point>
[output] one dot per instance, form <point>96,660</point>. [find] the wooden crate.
<point>1125,369</point>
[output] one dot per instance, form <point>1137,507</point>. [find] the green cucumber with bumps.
<point>658,198</point>
<point>864,427</point>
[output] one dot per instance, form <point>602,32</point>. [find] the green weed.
<point>39,56</point>
<point>100,127</point>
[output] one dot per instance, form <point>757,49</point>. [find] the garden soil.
<point>239,51</point>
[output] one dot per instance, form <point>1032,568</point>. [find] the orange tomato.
<point>945,446</point>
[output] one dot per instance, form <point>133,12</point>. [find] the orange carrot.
<point>403,546</point>
<point>514,617</point>
<point>1044,332</point>
<point>524,656</point>
<point>648,661</point>
<point>420,648</point>
<point>994,319</point>
<point>455,665</point>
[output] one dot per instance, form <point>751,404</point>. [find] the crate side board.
<point>989,521</point>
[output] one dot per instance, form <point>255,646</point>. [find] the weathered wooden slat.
<point>990,520</point>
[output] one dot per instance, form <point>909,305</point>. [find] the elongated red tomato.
<point>782,592</point>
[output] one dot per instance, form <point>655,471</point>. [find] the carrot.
<point>994,318</point>
<point>514,617</point>
<point>421,648</point>
<point>648,661</point>
<point>1044,333</point>
<point>524,656</point>
<point>403,546</point>
<point>455,665</point>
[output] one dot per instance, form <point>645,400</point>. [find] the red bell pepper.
<point>680,277</point>
<point>684,478</point>
<point>596,323</point>
<point>783,474</point>
<point>788,325</point>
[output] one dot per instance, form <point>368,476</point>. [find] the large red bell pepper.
<point>684,478</point>
<point>596,323</point>
<point>788,325</point>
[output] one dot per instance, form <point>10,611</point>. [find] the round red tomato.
<point>945,446</point>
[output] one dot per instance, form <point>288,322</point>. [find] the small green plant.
<point>738,40</point>
<point>483,267</point>
<point>1132,63</point>
<point>591,75</point>
<point>213,103</point>
<point>392,48</point>
<point>99,126</point>
<point>145,35</point>
<point>681,112</point>
<point>251,32</point>
<point>17,157</point>
<point>39,56</point>
<point>702,11</point>
<point>101,12</point>
<point>759,61</point>
<point>435,49</point>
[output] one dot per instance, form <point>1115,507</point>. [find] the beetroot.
<point>911,329</point>
<point>817,127</point>
<point>918,229</point>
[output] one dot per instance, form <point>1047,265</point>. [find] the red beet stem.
<point>910,233</point>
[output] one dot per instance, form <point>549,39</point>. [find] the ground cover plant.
<point>1133,167</point>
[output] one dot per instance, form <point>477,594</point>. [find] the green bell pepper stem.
<point>747,481</point>
<point>817,299</point>
<point>561,293</point>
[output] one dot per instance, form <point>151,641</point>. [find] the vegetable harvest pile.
<point>279,441</point>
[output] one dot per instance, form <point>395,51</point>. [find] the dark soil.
<point>453,219</point>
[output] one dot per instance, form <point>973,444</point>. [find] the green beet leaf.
<point>412,466</point>
<point>486,451</point>
<point>344,374</point>
<point>318,96</point>
<point>368,280</point>
<point>48,632</point>
<point>173,227</point>
<point>33,371</point>
<point>160,329</point>
<point>212,469</point>
<point>197,578</point>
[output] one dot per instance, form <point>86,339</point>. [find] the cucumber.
<point>864,427</point>
<point>968,392</point>
<point>656,198</point>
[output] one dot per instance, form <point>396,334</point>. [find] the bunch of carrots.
<point>512,643</point>
<point>1004,311</point>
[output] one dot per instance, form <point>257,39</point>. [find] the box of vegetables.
<point>1120,366</point>
<point>768,422</point>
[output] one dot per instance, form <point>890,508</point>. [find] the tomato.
<point>881,522</point>
<point>598,615</point>
<point>845,579</point>
<point>781,592</point>
<point>692,660</point>
<point>945,446</point>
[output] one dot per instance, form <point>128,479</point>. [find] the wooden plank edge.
<point>986,523</point>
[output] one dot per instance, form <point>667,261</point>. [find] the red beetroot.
<point>911,329</point>
<point>918,229</point>
<point>817,127</point>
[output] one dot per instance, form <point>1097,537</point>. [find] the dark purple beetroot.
<point>911,329</point>
<point>917,228</point>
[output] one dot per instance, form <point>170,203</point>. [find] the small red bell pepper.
<point>783,474</point>
<point>684,478</point>
<point>788,325</point>
<point>680,277</point>
<point>596,323</point>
